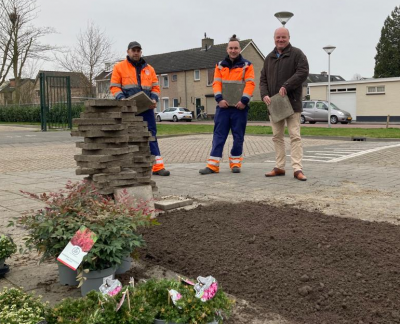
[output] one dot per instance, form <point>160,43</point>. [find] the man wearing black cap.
<point>132,76</point>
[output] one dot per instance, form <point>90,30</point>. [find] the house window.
<point>175,102</point>
<point>165,102</point>
<point>196,75</point>
<point>376,90</point>
<point>210,77</point>
<point>165,81</point>
<point>174,77</point>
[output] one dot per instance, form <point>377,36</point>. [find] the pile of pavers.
<point>115,149</point>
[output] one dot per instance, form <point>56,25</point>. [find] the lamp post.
<point>283,17</point>
<point>329,49</point>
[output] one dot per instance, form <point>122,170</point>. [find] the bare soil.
<point>306,266</point>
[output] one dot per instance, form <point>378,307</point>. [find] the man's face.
<point>233,49</point>
<point>135,53</point>
<point>282,38</point>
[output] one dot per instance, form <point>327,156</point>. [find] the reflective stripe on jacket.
<point>124,82</point>
<point>239,71</point>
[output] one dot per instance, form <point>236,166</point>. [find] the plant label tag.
<point>111,287</point>
<point>206,288</point>
<point>175,296</point>
<point>110,277</point>
<point>122,300</point>
<point>77,248</point>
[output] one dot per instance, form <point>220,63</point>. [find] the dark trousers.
<point>227,119</point>
<point>148,116</point>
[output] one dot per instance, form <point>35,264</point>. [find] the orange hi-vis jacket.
<point>240,71</point>
<point>125,81</point>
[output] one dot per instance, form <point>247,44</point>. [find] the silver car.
<point>317,111</point>
<point>174,114</point>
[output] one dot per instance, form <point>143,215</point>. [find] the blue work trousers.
<point>225,120</point>
<point>148,116</point>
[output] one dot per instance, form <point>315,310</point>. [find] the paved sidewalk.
<point>365,187</point>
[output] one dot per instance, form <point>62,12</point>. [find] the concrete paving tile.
<point>4,283</point>
<point>5,196</point>
<point>54,292</point>
<point>25,207</point>
<point>22,276</point>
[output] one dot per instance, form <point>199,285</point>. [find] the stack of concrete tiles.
<point>115,149</point>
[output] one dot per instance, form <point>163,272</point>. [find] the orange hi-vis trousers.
<point>158,164</point>
<point>235,161</point>
<point>213,163</point>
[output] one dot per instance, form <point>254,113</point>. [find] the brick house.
<point>316,78</point>
<point>186,76</point>
<point>7,92</point>
<point>80,85</point>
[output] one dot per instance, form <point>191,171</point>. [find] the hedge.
<point>31,113</point>
<point>258,111</point>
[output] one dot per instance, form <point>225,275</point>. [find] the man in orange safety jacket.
<point>132,76</point>
<point>230,116</point>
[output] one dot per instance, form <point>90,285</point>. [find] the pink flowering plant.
<point>114,223</point>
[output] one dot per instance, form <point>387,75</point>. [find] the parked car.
<point>317,111</point>
<point>174,114</point>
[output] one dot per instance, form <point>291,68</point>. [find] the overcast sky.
<point>161,26</point>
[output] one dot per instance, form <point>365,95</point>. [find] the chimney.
<point>324,73</point>
<point>206,42</point>
<point>12,83</point>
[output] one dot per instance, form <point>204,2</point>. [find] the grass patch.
<point>175,129</point>
<point>192,128</point>
<point>18,123</point>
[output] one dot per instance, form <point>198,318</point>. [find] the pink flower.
<point>115,291</point>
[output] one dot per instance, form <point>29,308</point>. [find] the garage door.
<point>346,101</point>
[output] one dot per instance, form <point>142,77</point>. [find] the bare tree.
<point>19,39</point>
<point>356,77</point>
<point>92,51</point>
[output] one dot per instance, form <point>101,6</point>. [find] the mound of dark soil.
<point>307,267</point>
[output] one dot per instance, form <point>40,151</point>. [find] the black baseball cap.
<point>133,45</point>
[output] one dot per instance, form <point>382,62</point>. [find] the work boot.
<point>162,172</point>
<point>235,170</point>
<point>206,170</point>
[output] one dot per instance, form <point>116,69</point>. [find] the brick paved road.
<point>182,149</point>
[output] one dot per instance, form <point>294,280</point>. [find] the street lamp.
<point>283,17</point>
<point>329,49</point>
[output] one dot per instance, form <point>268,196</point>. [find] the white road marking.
<point>362,153</point>
<point>342,153</point>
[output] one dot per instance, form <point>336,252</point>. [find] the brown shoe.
<point>299,175</point>
<point>275,172</point>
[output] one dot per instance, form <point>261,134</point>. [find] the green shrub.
<point>258,111</point>
<point>7,246</point>
<point>31,113</point>
<point>98,309</point>
<point>18,307</point>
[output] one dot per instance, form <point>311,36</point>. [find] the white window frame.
<point>373,90</point>
<point>208,80</point>
<point>165,78</point>
<point>163,103</point>
<point>194,75</point>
